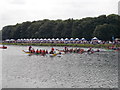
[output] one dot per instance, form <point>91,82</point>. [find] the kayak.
<point>29,53</point>
<point>3,47</point>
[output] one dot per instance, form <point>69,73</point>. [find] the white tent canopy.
<point>53,39</point>
<point>62,39</point>
<point>30,39</point>
<point>12,39</point>
<point>57,39</point>
<point>77,39</point>
<point>7,40</point>
<point>21,39</point>
<point>94,38</point>
<point>49,39</point>
<point>18,39</point>
<point>27,39</point>
<point>66,39</point>
<point>44,39</point>
<point>41,39</point>
<point>71,39</point>
<point>34,39</point>
<point>83,39</point>
<point>38,39</point>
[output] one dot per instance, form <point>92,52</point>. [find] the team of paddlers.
<point>65,50</point>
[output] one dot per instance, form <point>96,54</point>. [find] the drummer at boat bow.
<point>30,47</point>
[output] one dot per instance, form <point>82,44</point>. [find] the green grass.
<point>62,44</point>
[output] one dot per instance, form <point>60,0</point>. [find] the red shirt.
<point>52,49</point>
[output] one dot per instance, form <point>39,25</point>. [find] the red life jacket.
<point>52,49</point>
<point>44,51</point>
<point>37,51</point>
<point>40,51</point>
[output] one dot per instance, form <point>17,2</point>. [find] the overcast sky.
<point>18,11</point>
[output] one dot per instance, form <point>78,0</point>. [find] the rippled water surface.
<point>68,71</point>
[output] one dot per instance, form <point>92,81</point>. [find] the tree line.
<point>103,27</point>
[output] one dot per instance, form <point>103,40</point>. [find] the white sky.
<point>18,11</point>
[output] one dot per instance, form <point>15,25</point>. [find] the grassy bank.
<point>62,44</point>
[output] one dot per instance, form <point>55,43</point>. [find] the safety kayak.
<point>3,47</point>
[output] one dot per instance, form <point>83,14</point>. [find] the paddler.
<point>52,49</point>
<point>66,49</point>
<point>71,50</point>
<point>89,50</point>
<point>33,51</point>
<point>97,50</point>
<point>43,52</point>
<point>37,51</point>
<point>81,51</point>
<point>46,51</point>
<point>51,52</point>
<point>75,50</point>
<point>30,47</point>
<point>40,51</point>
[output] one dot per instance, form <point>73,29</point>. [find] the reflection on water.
<point>69,71</point>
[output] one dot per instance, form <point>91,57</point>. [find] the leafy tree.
<point>103,27</point>
<point>106,31</point>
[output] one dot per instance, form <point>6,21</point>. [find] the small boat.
<point>3,47</point>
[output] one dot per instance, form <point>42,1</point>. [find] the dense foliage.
<point>103,27</point>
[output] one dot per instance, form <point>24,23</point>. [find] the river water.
<point>98,70</point>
